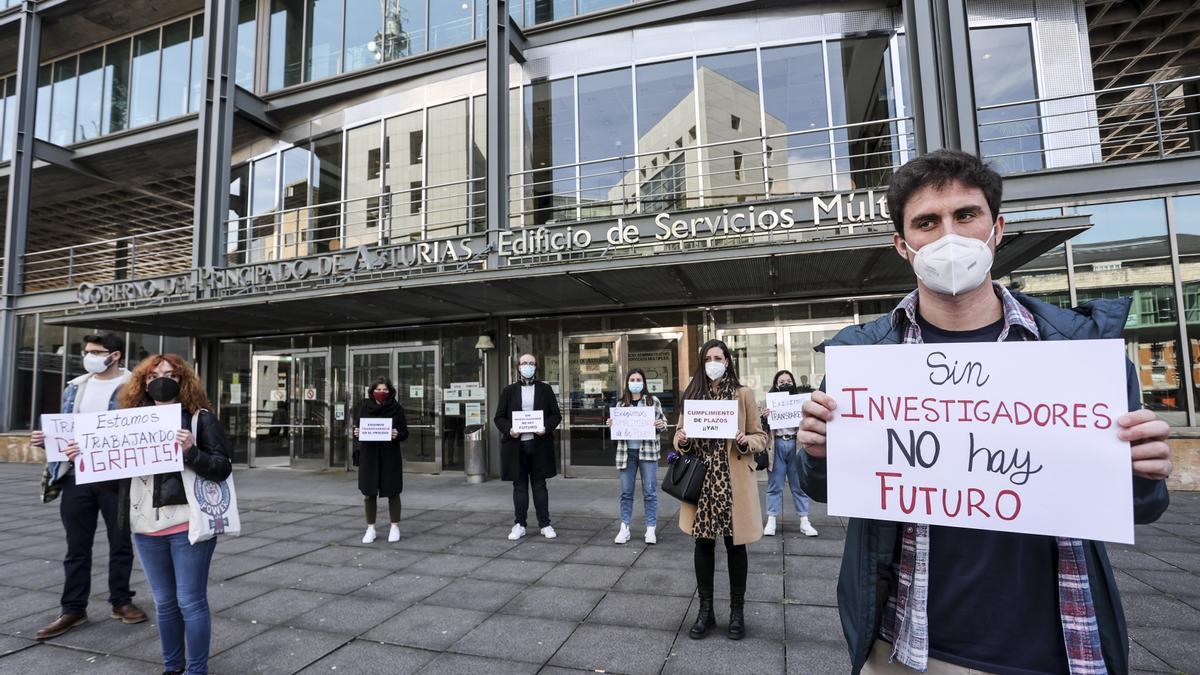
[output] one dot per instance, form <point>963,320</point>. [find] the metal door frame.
<point>436,465</point>
<point>293,354</point>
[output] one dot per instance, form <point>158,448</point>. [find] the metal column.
<point>940,78</point>
<point>16,231</point>
<point>214,139</point>
<point>497,126</point>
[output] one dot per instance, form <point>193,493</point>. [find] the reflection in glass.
<point>327,192</point>
<point>176,58</point>
<point>730,125</point>
<point>808,365</point>
<point>449,23</point>
<point>322,40</point>
<point>541,11</point>
<point>479,165</point>
<point>862,96</point>
<point>448,168</point>
<point>42,121</point>
<point>550,128</point>
<point>9,103</point>
<point>116,87</point>
<point>417,384</point>
<point>405,176</point>
<point>89,110</point>
<point>363,34</point>
<point>1002,65</point>
<point>286,43</point>
<point>593,386</point>
<point>404,28</point>
<point>293,225</point>
<point>1187,237</point>
<point>144,96</point>
<point>756,355</point>
<point>1044,277</point>
<point>236,231</point>
<point>247,44</point>
<point>597,5</point>
<point>666,173</point>
<point>605,133</point>
<point>363,182</point>
<point>794,95</point>
<point>263,204</point>
<point>62,115</point>
<point>1126,254</point>
<point>197,63</point>
<point>21,396</point>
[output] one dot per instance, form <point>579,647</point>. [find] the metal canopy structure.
<point>858,265</point>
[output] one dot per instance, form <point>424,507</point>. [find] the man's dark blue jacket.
<point>871,545</point>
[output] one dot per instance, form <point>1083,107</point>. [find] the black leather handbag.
<point>685,478</point>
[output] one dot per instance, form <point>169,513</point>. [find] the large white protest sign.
<point>528,422</point>
<point>375,429</point>
<point>785,409</point>
<point>710,419</point>
<point>1014,436</point>
<point>59,431</point>
<point>633,423</point>
<point>127,443</point>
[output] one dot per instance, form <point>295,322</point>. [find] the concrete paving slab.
<point>427,626</point>
<point>615,649</point>
<point>462,664</point>
<point>718,654</point>
<point>548,602</point>
<point>348,615</point>
<point>279,650</point>
<point>480,594</point>
<point>637,610</point>
<point>518,571</point>
<point>576,575</point>
<point>515,638</point>
<point>404,587</point>
<point>277,607</point>
<point>362,657</point>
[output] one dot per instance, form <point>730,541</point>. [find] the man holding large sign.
<point>527,450</point>
<point>983,422</point>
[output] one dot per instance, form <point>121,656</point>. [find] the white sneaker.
<point>807,528</point>
<point>623,535</point>
<point>394,533</point>
<point>518,531</point>
<point>769,530</point>
<point>370,535</point>
<point>651,537</point>
<point>548,532</point>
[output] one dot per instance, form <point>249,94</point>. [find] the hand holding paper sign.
<point>1148,435</point>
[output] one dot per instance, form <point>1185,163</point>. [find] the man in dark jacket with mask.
<point>528,459</point>
<point>94,391</point>
<point>921,597</point>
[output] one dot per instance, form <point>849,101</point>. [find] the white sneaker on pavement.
<point>651,537</point>
<point>517,532</point>
<point>394,533</point>
<point>806,527</point>
<point>370,535</point>
<point>769,530</point>
<point>623,535</point>
<point>548,532</point>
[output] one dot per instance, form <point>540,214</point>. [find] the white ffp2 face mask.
<point>714,369</point>
<point>95,363</point>
<point>953,264</point>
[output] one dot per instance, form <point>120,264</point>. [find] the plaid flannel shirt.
<point>906,622</point>
<point>650,449</point>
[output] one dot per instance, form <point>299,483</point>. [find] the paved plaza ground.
<point>298,592</point>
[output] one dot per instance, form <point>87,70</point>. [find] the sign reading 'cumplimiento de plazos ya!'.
<point>517,246</point>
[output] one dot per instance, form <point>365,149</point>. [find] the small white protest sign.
<point>785,409</point>
<point>375,429</point>
<point>1013,436</point>
<point>633,423</point>
<point>528,421</point>
<point>127,443</point>
<point>59,431</point>
<point>710,419</point>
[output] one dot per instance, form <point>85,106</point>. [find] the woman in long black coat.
<point>381,463</point>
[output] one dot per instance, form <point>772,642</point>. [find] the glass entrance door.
<point>419,389</point>
<point>311,416</point>
<point>290,410</point>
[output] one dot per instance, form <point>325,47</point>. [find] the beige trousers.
<point>878,664</point>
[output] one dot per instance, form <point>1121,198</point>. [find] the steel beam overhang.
<point>847,266</point>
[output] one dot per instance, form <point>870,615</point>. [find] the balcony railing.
<point>1160,119</point>
<point>817,161</point>
<point>141,255</point>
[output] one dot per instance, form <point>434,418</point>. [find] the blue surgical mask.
<point>527,370</point>
<point>636,387</point>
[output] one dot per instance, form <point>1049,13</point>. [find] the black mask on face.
<point>163,389</point>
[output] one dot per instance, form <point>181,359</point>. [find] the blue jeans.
<point>649,471</point>
<point>178,575</point>
<point>788,460</point>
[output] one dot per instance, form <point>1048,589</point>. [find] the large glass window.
<point>666,127</point>
<point>606,133</point>
<point>730,127</point>
<point>144,92</point>
<point>1187,237</point>
<point>8,85</point>
<point>405,174</point>
<point>239,209</point>
<point>62,115</point>
<point>247,44</point>
<point>596,5</point>
<point>176,69</point>
<point>550,128</point>
<point>794,95</point>
<point>21,409</point>
<point>449,23</point>
<point>1010,137</point>
<point>286,43</point>
<point>89,113</point>
<point>322,41</point>
<point>327,191</point>
<point>404,28</point>
<point>195,91</point>
<point>862,98</point>
<point>364,37</point>
<point>296,185</point>
<point>479,164</point>
<point>42,119</point>
<point>263,206</point>
<point>541,11</point>
<point>116,87</point>
<point>363,179</point>
<point>448,168</point>
<point>1126,253</point>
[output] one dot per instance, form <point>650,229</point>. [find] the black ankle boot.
<point>705,620</point>
<point>737,622</point>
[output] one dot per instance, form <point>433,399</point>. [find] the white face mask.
<point>953,264</point>
<point>635,387</point>
<point>714,369</point>
<point>527,371</point>
<point>95,363</point>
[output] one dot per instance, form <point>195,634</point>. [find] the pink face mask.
<point>380,396</point>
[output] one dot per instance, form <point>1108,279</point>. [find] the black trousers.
<point>79,506</point>
<point>706,564</point>
<point>522,486</point>
<point>370,505</point>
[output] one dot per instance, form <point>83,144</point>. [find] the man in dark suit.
<point>528,459</point>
